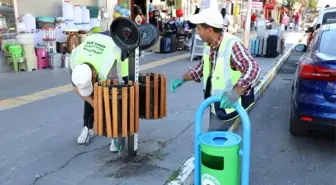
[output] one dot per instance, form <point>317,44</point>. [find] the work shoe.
<point>85,136</point>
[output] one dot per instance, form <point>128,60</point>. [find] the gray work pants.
<point>216,124</point>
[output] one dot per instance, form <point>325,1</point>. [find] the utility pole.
<point>248,22</point>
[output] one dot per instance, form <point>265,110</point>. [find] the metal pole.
<point>248,23</point>
<point>147,11</point>
<point>133,74</point>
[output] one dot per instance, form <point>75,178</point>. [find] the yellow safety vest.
<point>100,51</point>
<point>224,77</point>
<point>124,67</point>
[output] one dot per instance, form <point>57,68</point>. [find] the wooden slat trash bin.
<point>116,109</point>
<point>152,96</point>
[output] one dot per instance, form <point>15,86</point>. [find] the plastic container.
<point>86,27</point>
<point>70,25</point>
<point>79,26</point>
<point>30,23</point>
<point>77,14</point>
<point>26,38</point>
<point>38,35</point>
<point>49,33</point>
<point>68,11</point>
<point>3,23</point>
<point>45,21</point>
<point>55,60</point>
<point>85,15</point>
<point>66,60</point>
<point>9,37</point>
<point>60,27</point>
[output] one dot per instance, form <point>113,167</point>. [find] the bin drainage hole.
<point>219,140</point>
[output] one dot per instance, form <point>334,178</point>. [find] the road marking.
<point>40,95</point>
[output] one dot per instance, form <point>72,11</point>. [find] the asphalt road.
<point>277,158</point>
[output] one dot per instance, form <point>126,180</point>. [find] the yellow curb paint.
<point>10,103</point>
<point>40,95</point>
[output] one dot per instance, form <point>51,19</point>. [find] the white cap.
<point>82,79</point>
<point>209,16</point>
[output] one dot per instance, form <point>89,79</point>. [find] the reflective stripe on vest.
<point>103,63</point>
<point>223,77</point>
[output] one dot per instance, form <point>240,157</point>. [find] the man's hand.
<point>175,84</point>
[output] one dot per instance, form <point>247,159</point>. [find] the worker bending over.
<point>97,58</point>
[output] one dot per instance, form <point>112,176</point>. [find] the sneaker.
<point>113,147</point>
<point>84,136</point>
<point>92,133</point>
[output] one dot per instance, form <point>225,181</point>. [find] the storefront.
<point>269,8</point>
<point>24,31</point>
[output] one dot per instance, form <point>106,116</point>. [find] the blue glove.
<point>229,99</point>
<point>175,84</point>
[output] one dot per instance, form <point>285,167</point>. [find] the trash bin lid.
<point>220,139</point>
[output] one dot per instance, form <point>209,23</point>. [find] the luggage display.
<point>272,43</point>
<point>261,45</point>
<point>174,43</point>
<point>256,47</point>
<point>282,46</point>
<point>165,45</point>
<point>156,47</point>
<point>264,46</point>
<point>180,42</point>
<point>252,46</point>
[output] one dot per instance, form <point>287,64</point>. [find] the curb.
<point>185,172</point>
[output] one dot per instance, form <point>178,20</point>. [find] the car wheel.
<point>297,129</point>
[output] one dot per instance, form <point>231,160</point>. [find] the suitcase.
<point>165,45</point>
<point>272,43</point>
<point>256,46</point>
<point>156,47</point>
<point>264,46</point>
<point>252,47</point>
<point>174,43</point>
<point>282,46</point>
<point>261,45</point>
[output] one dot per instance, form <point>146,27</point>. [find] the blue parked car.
<point>313,100</point>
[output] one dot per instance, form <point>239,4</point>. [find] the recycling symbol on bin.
<point>209,180</point>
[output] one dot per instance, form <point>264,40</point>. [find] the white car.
<point>324,17</point>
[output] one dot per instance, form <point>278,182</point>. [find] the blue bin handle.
<point>244,152</point>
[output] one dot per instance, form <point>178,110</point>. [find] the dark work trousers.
<point>88,115</point>
<point>88,111</point>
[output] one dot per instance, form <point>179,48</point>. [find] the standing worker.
<point>227,69</point>
<point>98,58</point>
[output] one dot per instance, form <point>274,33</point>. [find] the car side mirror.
<point>301,48</point>
<point>317,26</point>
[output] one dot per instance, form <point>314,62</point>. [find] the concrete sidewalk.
<point>269,67</point>
<point>38,139</point>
